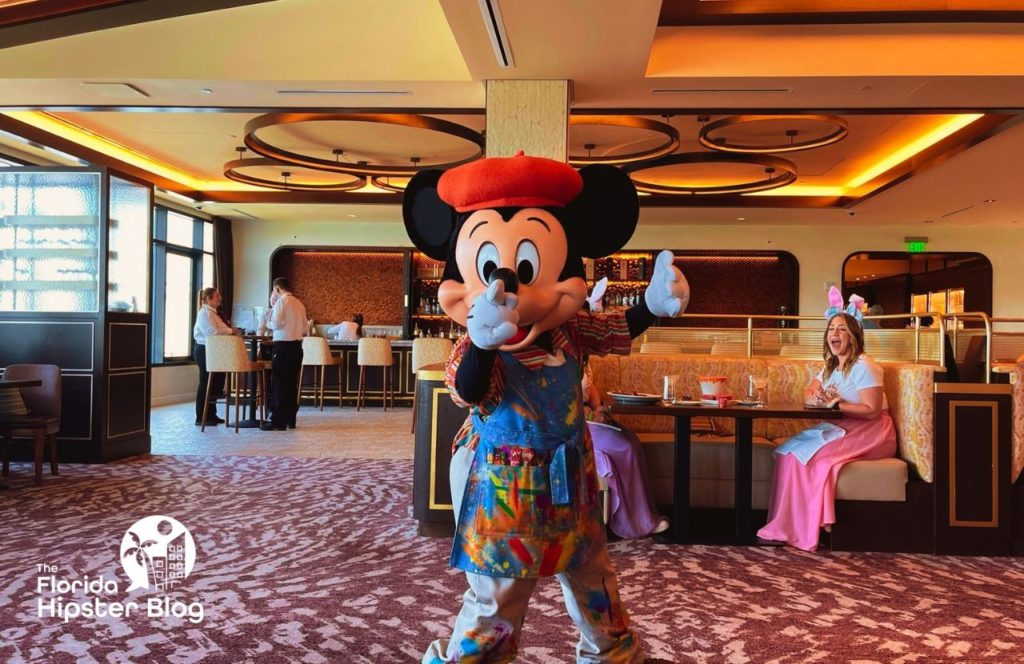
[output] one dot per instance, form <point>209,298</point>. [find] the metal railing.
<point>888,341</point>
<point>929,343</point>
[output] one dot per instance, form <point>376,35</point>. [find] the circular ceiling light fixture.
<point>396,184</point>
<point>779,173</point>
<point>263,147</point>
<point>667,146</point>
<point>836,130</point>
<point>342,182</point>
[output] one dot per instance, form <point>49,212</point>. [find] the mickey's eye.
<point>486,260</point>
<point>527,262</point>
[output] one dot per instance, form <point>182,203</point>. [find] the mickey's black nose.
<point>507,276</point>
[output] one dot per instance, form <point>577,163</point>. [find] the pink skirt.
<point>803,497</point>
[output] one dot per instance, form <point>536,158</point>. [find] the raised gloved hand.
<point>493,318</point>
<point>668,293</point>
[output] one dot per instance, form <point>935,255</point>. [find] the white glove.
<point>668,293</point>
<point>493,319</point>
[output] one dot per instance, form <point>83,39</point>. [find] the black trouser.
<point>284,379</point>
<point>216,389</point>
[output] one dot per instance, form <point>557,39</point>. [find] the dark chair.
<point>43,420</point>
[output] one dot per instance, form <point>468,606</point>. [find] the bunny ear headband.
<point>835,304</point>
<point>596,295</point>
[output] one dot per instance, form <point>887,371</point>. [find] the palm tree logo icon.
<point>157,553</point>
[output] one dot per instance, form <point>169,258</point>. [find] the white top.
<point>288,319</point>
<point>346,331</point>
<point>208,324</point>
<point>864,373</point>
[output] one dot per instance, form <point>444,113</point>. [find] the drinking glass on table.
<point>758,389</point>
<point>669,389</point>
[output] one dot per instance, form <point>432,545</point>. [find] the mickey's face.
<point>533,245</point>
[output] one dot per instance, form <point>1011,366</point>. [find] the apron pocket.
<point>512,499</point>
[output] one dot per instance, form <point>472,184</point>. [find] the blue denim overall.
<point>530,505</point>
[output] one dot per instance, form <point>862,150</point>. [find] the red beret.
<point>518,181</point>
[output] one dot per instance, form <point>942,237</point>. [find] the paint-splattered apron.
<point>530,507</point>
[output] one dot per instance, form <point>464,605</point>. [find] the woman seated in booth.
<point>349,330</point>
<point>808,464</point>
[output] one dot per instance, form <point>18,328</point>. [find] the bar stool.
<point>317,353</point>
<point>425,351</point>
<point>374,352</point>
<point>226,354</point>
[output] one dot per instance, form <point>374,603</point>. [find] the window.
<point>49,240</point>
<point>182,265</point>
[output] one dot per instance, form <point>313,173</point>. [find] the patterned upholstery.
<point>908,389</point>
<point>374,352</point>
<point>430,350</point>
<point>317,352</point>
<point>1017,378</point>
<point>787,380</point>
<point>226,353</point>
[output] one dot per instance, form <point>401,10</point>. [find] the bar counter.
<point>401,376</point>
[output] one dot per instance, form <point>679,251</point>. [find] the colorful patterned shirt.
<point>585,334</point>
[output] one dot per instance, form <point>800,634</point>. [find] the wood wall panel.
<point>736,284</point>
<point>335,284</point>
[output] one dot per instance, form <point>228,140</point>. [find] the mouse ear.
<point>429,221</point>
<point>597,294</point>
<point>603,217</point>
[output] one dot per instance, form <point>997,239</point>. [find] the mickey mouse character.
<point>513,232</point>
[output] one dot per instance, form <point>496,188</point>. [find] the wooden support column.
<point>532,116</point>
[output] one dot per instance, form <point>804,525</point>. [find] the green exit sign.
<point>917,247</point>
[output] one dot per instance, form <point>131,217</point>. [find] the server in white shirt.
<point>208,323</point>
<point>288,323</point>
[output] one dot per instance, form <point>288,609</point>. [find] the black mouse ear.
<point>603,217</point>
<point>429,221</point>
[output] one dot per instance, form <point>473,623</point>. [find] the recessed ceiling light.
<point>741,218</point>
<point>990,200</point>
<point>351,216</point>
<point>344,92</point>
<point>207,91</point>
<point>718,91</point>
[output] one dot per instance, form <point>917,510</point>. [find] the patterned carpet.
<point>316,560</point>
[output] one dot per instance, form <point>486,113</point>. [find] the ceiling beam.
<point>41,137</point>
<point>811,12</point>
<point>44,20</point>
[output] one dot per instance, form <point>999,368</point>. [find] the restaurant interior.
<point>149,150</point>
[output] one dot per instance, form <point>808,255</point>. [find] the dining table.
<point>744,417</point>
